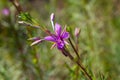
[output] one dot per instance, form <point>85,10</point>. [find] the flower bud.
<point>68,29</point>
<point>52,17</point>
<point>77,32</point>
<point>36,42</point>
<point>34,38</point>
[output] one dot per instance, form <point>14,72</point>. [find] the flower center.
<point>60,43</point>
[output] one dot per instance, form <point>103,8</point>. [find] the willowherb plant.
<point>60,38</point>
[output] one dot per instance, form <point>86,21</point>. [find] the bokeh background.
<point>99,40</point>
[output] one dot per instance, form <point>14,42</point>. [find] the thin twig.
<point>74,48</point>
<point>17,5</point>
<point>84,70</point>
<point>19,9</point>
<point>80,65</point>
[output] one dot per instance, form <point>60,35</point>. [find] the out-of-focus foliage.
<point>99,42</point>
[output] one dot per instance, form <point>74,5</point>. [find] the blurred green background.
<point>99,41</point>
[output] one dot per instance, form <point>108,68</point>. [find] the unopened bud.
<point>52,17</point>
<point>36,42</point>
<point>34,38</point>
<point>77,32</point>
<point>68,29</point>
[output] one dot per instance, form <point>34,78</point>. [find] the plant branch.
<point>79,64</point>
<point>84,70</point>
<point>74,48</point>
<point>17,5</point>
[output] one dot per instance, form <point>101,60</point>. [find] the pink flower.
<point>5,12</point>
<point>59,37</point>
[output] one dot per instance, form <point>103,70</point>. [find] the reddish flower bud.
<point>77,32</point>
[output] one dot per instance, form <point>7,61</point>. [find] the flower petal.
<point>50,38</point>
<point>65,35</point>
<point>66,42</point>
<point>34,38</point>
<point>53,46</point>
<point>36,42</point>
<point>60,45</point>
<point>57,29</point>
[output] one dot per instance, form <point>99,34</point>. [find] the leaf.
<point>25,17</point>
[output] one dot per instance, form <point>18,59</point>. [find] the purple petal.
<point>65,35</point>
<point>50,38</point>
<point>57,29</point>
<point>60,45</point>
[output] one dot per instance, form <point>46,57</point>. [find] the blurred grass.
<point>99,41</point>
